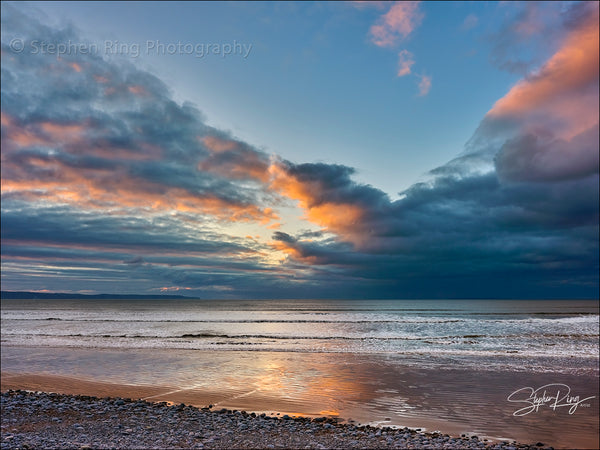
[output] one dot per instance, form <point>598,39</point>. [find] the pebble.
<point>41,420</point>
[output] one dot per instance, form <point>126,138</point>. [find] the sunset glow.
<point>399,150</point>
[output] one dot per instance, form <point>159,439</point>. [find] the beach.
<point>461,370</point>
<point>452,401</point>
<point>41,420</point>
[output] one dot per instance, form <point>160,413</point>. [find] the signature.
<point>555,395</point>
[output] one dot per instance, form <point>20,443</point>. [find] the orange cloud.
<point>564,92</point>
<point>107,189</point>
<point>234,160</point>
<point>5,119</point>
<point>51,177</point>
<point>62,132</point>
<point>100,79</point>
<point>15,136</point>
<point>218,145</point>
<point>339,217</point>
<point>137,90</point>
<point>71,137</point>
<point>293,252</point>
<point>398,22</point>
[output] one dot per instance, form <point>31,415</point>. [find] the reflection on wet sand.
<point>373,389</point>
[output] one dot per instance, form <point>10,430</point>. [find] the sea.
<point>446,364</point>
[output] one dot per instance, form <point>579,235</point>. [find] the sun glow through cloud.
<point>109,179</point>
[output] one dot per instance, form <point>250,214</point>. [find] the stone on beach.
<point>88,422</point>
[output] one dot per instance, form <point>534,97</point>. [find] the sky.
<point>301,149</point>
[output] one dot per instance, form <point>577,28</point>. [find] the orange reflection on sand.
<point>297,385</point>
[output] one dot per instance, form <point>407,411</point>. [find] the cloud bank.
<point>109,185</point>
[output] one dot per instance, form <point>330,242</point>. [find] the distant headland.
<point>10,295</point>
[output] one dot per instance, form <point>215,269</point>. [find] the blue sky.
<point>395,149</point>
<point>314,87</point>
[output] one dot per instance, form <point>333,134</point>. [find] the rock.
<point>150,425</point>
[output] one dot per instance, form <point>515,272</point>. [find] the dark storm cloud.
<point>62,226</point>
<point>110,185</point>
<point>460,225</point>
<point>105,177</point>
<point>528,158</point>
<point>111,133</point>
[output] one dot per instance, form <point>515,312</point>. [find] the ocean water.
<point>560,336</point>
<point>445,365</point>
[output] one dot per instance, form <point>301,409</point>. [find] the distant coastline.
<point>12,295</point>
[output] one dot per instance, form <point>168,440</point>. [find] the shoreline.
<point>353,389</point>
<point>66,385</point>
<point>46,420</point>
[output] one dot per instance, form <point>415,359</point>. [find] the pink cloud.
<point>400,21</point>
<point>548,121</point>
<point>424,85</point>
<point>562,96</point>
<point>137,90</point>
<point>405,62</point>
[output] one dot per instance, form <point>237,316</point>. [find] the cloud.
<point>470,22</point>
<point>547,124</point>
<point>531,158</point>
<point>424,85</point>
<point>104,135</point>
<point>397,24</point>
<point>329,197</point>
<point>529,31</point>
<point>234,159</point>
<point>564,90</point>
<point>108,184</point>
<point>520,202</point>
<point>405,62</point>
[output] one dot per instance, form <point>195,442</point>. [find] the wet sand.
<point>440,401</point>
<point>354,389</point>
